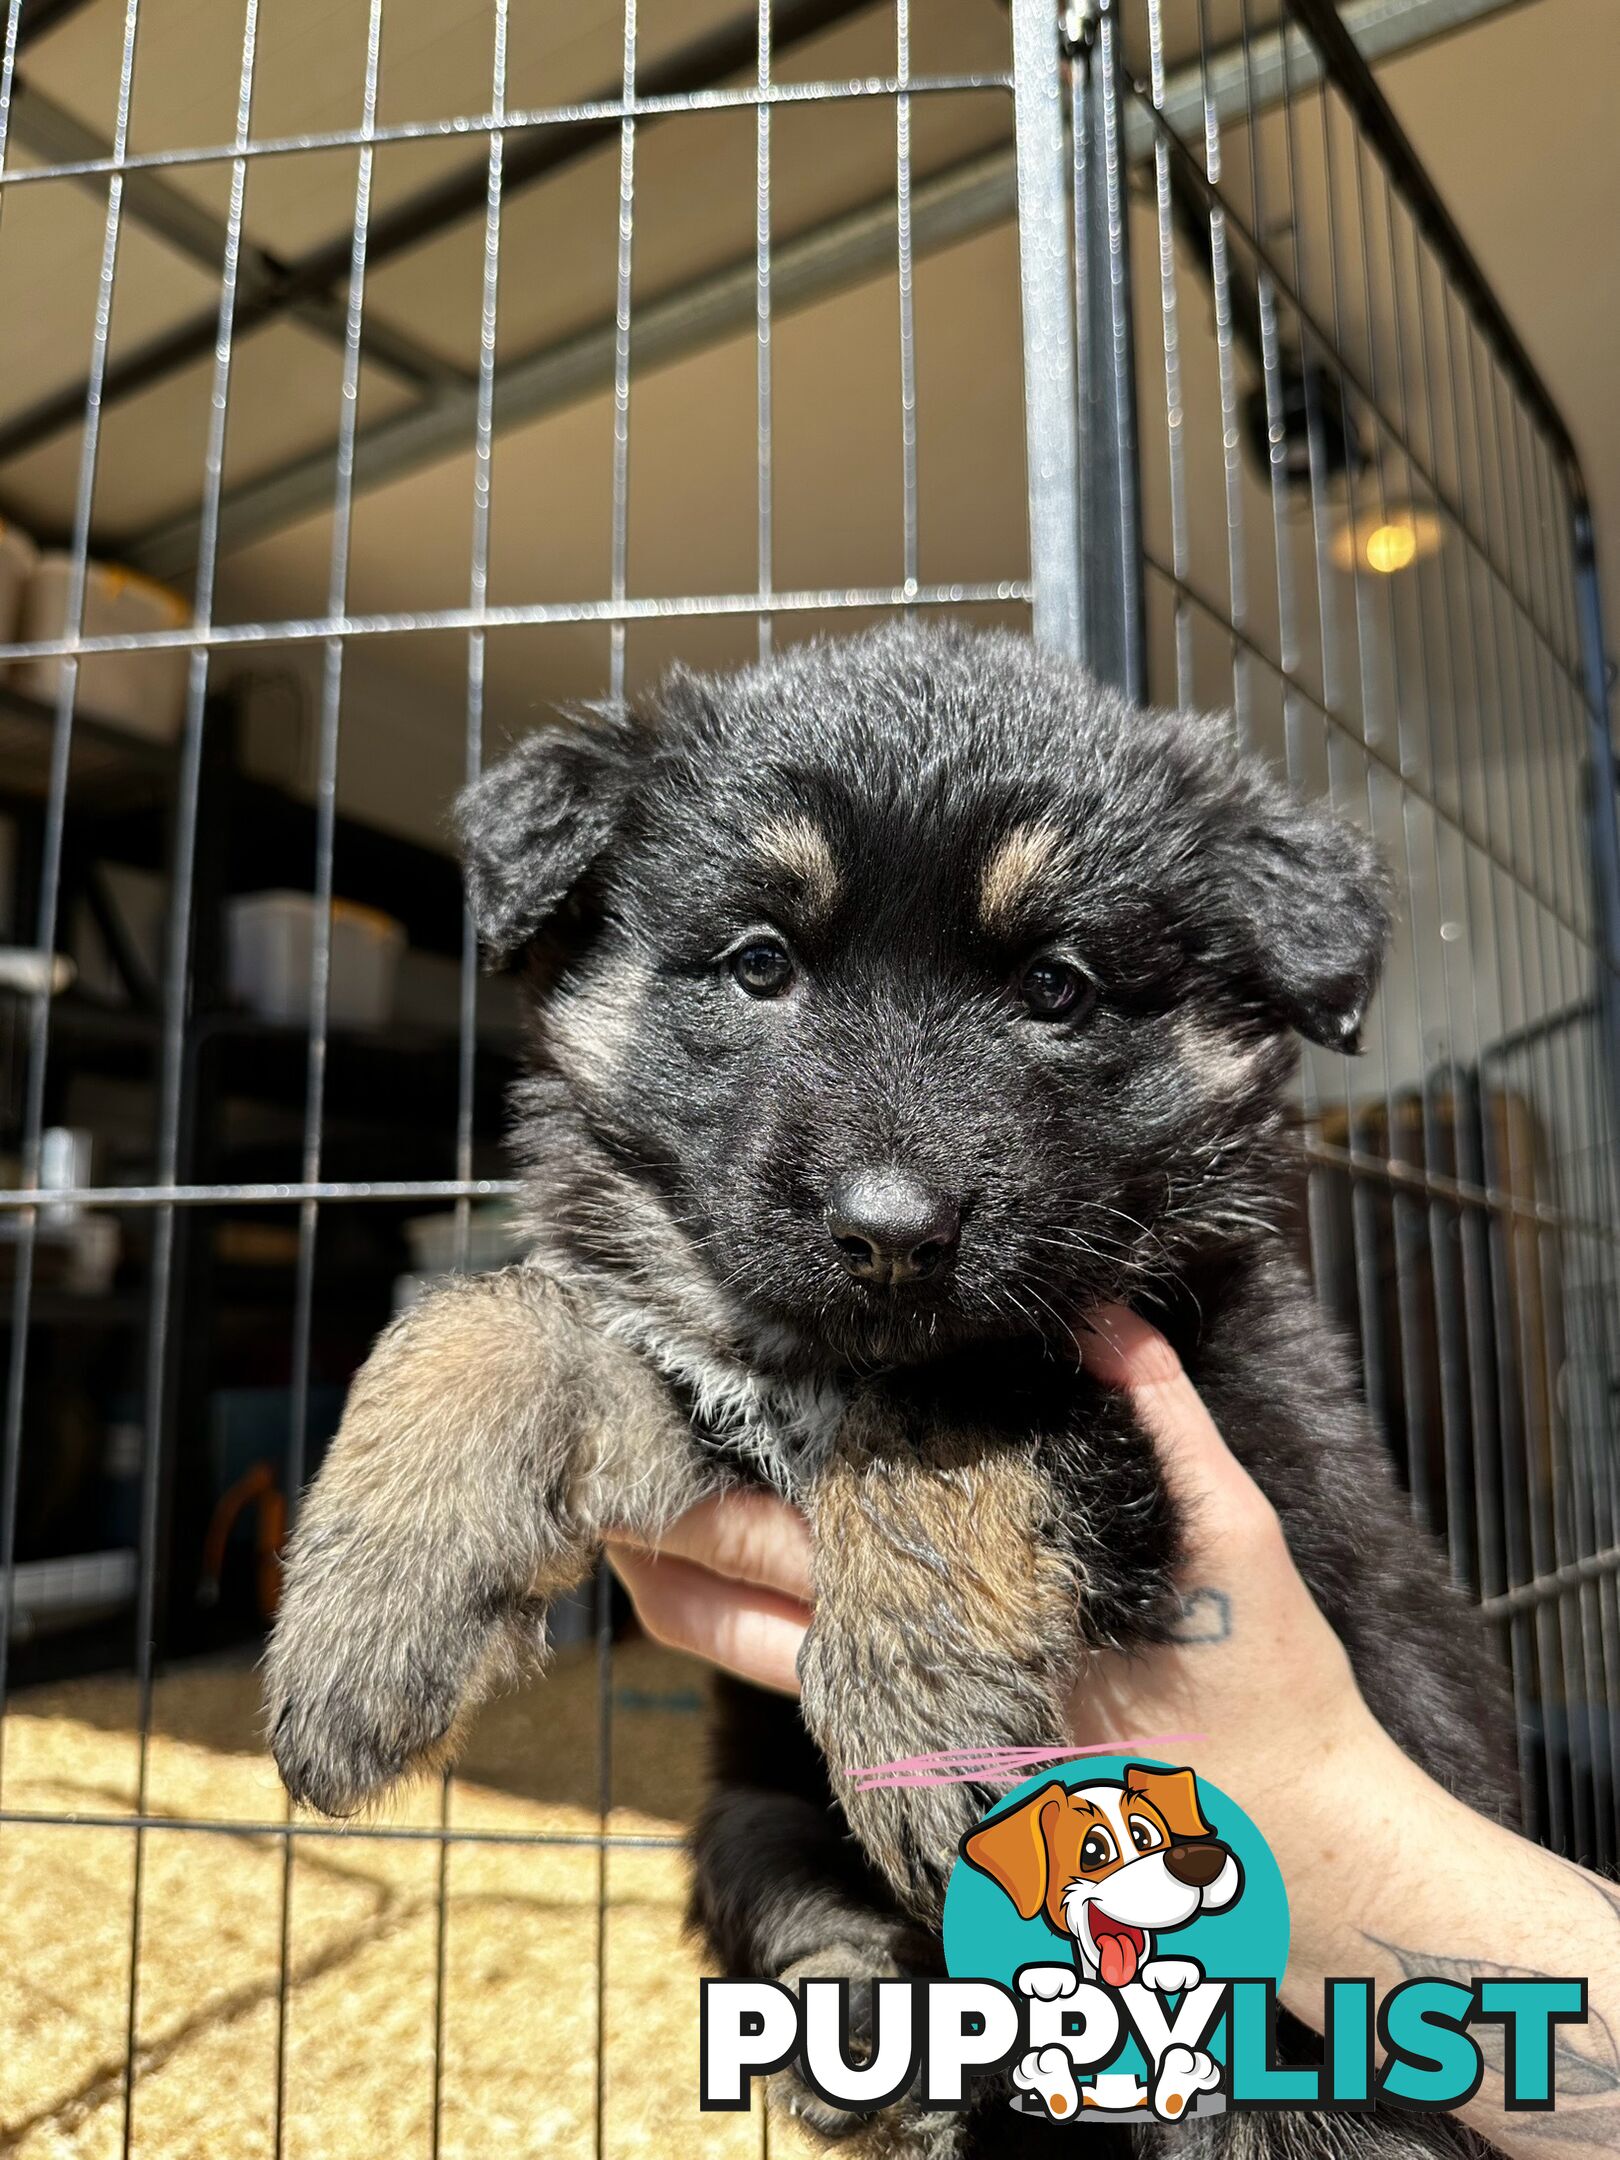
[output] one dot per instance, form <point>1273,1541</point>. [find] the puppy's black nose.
<point>889,1227</point>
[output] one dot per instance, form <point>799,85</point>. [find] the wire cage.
<point>377,378</point>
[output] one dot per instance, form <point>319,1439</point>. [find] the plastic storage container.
<point>270,949</point>
<point>142,692</point>
<point>492,1240</point>
<point>18,556</point>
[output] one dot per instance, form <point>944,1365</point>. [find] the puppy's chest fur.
<point>943,1498</point>
<point>776,1427</point>
<point>793,1430</point>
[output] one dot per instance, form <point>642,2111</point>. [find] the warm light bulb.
<point>1391,548</point>
<point>1387,540</point>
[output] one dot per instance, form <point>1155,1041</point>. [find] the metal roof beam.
<point>265,284</point>
<point>39,16</point>
<point>308,288</point>
<point>960,201</point>
<point>966,200</point>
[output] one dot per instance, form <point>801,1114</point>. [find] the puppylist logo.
<point>1115,1934</point>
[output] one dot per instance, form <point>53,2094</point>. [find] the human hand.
<point>1254,1667</point>
<point>730,1583</point>
<point>1386,1872</point>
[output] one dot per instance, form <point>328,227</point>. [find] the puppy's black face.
<point>922,991</point>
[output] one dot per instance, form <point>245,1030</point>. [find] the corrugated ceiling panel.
<point>838,492</point>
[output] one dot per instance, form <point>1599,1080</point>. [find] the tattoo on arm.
<point>1586,2060</point>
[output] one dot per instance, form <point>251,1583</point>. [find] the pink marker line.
<point>963,1766</point>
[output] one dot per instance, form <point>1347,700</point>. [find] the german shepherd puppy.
<point>894,1001</point>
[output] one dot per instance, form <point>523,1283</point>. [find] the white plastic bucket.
<point>270,951</point>
<point>142,692</point>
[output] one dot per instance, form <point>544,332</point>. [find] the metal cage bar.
<point>1339,284</point>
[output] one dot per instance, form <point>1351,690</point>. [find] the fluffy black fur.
<point>1084,1159</point>
<point>683,1138</point>
<point>915,815</point>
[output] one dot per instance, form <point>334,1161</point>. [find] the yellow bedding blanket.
<point>353,1920</point>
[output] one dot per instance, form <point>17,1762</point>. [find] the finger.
<point>748,1537</point>
<point>1122,1350</point>
<point>748,1631</point>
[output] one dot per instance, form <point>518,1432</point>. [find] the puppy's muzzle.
<point>891,1229</point>
<point>1195,1865</point>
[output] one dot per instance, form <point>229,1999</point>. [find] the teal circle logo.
<point>1132,1876</point>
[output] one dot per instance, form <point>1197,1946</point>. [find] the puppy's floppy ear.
<point>1175,1794</point>
<point>1293,904</point>
<point>1012,1849</point>
<point>535,824</point>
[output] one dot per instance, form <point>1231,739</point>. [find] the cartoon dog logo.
<point>1111,1867</point>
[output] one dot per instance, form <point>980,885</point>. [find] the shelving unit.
<point>391,1097</point>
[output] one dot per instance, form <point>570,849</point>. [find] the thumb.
<point>1205,1478</point>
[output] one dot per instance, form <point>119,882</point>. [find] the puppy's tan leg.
<point>946,1617</point>
<point>489,1441</point>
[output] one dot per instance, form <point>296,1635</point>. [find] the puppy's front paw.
<point>1170,1975</point>
<point>1048,1983</point>
<point>914,1833</point>
<point>367,1675</point>
<point>340,1742</point>
<point>904,2130</point>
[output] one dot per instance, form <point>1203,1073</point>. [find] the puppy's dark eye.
<point>1097,1850</point>
<point>763,967</point>
<point>1144,1835</point>
<point>1056,990</point>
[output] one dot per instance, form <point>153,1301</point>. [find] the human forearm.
<point>1389,1876</point>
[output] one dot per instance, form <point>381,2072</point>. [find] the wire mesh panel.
<point>443,366</point>
<point>396,373</point>
<point>1360,517</point>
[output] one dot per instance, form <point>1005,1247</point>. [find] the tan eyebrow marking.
<point>798,846</point>
<point>1026,853</point>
